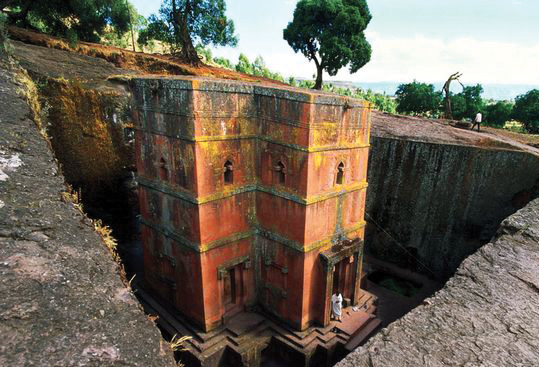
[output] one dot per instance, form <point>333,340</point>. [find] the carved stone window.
<point>280,172</point>
<point>340,174</point>
<point>180,171</point>
<point>228,173</point>
<point>163,169</point>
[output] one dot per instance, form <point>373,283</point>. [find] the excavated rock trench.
<point>437,194</point>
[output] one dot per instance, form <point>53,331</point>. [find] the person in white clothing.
<point>336,305</point>
<point>477,120</point>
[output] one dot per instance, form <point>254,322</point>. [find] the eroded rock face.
<point>442,201</point>
<point>486,315</point>
<point>62,300</point>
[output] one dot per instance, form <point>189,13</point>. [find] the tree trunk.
<point>318,83</point>
<point>188,52</point>
<point>131,26</point>
<point>319,66</point>
<point>448,114</point>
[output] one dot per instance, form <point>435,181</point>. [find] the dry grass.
<point>177,344</point>
<point>73,196</point>
<point>107,238</point>
<point>28,90</point>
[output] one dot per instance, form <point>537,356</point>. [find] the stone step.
<point>171,324</point>
<point>363,334</point>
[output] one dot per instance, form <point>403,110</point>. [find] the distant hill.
<point>491,91</point>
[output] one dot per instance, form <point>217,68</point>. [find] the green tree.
<point>85,20</point>
<point>418,98</point>
<point>497,114</point>
<point>277,76</point>
<point>259,68</point>
<point>292,81</point>
<point>381,101</point>
<point>330,33</point>
<point>467,103</point>
<point>223,62</point>
<point>526,110</point>
<point>204,52</point>
<point>244,65</point>
<point>112,37</point>
<point>180,22</point>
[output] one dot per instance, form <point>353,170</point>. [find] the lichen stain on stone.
<point>8,163</point>
<point>86,130</point>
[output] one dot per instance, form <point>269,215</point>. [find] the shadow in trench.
<point>398,290</point>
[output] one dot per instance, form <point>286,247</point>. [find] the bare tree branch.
<point>448,113</point>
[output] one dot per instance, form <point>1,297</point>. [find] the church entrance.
<point>233,290</point>
<point>343,278</point>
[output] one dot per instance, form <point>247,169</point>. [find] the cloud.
<point>418,57</point>
<point>432,59</point>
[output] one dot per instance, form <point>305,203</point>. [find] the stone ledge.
<point>486,315</point>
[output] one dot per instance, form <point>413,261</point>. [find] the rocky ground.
<point>445,132</point>
<point>486,315</point>
<point>63,302</point>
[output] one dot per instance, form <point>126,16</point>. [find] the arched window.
<point>229,173</point>
<point>163,170</point>
<point>340,174</point>
<point>280,171</point>
<point>182,177</point>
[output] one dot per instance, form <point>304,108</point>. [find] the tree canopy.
<point>74,19</point>
<point>182,22</point>
<point>418,98</point>
<point>330,33</point>
<point>497,114</point>
<point>526,110</point>
<point>467,103</point>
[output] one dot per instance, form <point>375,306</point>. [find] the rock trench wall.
<point>440,201</point>
<point>63,303</point>
<point>486,315</point>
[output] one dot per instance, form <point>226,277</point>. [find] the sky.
<point>489,41</point>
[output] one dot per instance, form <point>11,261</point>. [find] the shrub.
<point>498,114</point>
<point>526,110</point>
<point>418,98</point>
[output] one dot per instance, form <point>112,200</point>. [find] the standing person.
<point>477,120</point>
<point>336,305</point>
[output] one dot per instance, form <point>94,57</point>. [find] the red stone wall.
<point>258,239</point>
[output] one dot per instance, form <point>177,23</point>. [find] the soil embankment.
<point>63,303</point>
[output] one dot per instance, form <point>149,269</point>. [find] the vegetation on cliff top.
<point>526,109</point>
<point>422,99</point>
<point>85,20</point>
<point>180,22</point>
<point>330,33</point>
